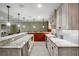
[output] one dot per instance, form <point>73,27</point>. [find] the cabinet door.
<point>49,46</point>
<point>31,42</point>
<point>55,49</point>
<point>52,49</point>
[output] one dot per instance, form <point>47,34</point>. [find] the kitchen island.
<point>17,45</point>
<point>61,47</point>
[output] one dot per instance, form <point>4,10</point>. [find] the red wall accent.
<point>39,36</point>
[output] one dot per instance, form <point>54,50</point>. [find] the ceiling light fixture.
<point>43,24</point>
<point>39,6</point>
<point>8,23</point>
<point>18,20</point>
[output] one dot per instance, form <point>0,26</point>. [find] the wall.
<point>13,29</point>
<point>71,35</point>
<point>29,27</point>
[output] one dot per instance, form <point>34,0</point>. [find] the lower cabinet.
<point>14,51</point>
<point>49,47</point>
<point>10,52</point>
<point>68,51</point>
<point>55,50</point>
<point>24,50</point>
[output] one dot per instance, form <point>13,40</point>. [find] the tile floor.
<point>39,49</point>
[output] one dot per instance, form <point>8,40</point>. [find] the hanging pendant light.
<point>23,23</point>
<point>34,25</point>
<point>18,20</point>
<point>43,24</point>
<point>8,23</point>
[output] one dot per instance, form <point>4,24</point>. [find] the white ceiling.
<point>29,10</point>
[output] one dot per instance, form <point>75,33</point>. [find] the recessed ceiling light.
<point>39,6</point>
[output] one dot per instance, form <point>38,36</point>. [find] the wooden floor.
<point>39,49</point>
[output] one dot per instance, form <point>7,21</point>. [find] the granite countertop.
<point>19,43</point>
<point>49,35</point>
<point>38,32</point>
<point>63,43</point>
<point>10,36</point>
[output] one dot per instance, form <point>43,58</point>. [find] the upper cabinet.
<point>73,16</point>
<point>66,17</point>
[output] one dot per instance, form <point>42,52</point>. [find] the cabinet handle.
<point>52,48</point>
